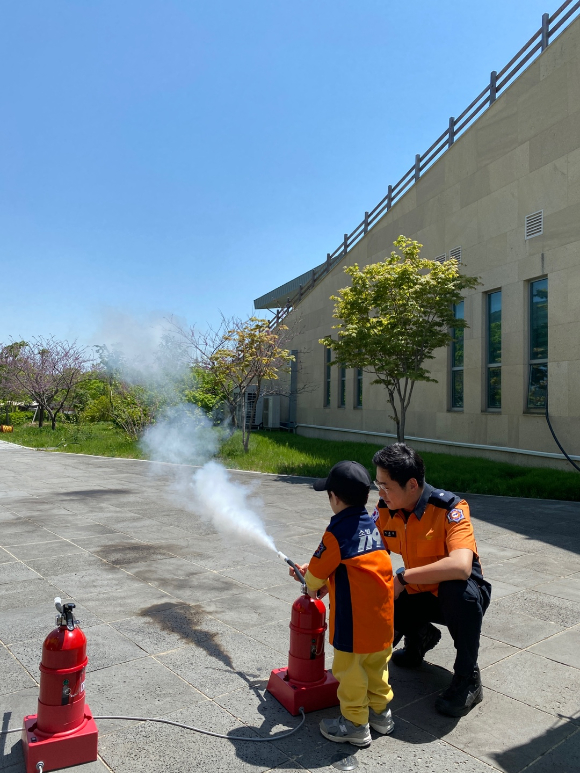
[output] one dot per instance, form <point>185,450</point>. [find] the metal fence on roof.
<point>498,81</point>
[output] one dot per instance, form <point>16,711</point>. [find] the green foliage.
<point>392,318</point>
<point>207,392</point>
<point>16,418</point>
<point>98,409</point>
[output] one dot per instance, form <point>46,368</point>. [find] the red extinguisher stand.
<point>63,732</point>
<point>305,683</point>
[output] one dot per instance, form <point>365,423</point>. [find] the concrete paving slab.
<point>5,556</point>
<point>544,607</point>
<point>251,608</point>
<point>15,571</point>
<point>538,682</point>
<point>562,648</point>
<point>28,622</point>
<point>143,688</point>
<point>24,533</point>
<point>137,749</point>
<point>163,629</point>
<point>56,547</point>
<point>515,628</point>
<point>501,731</point>
<point>27,593</point>
<point>14,675</point>
<point>568,588</point>
<point>518,576</point>
<point>266,574</point>
<point>563,758</point>
<point>223,663</point>
<point>160,571</point>
<point>119,604</point>
<point>110,505</point>
<point>69,563</point>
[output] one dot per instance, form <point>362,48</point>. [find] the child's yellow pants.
<point>363,682</point>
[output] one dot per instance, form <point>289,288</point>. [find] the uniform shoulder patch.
<point>375,514</point>
<point>441,498</point>
<point>454,516</point>
<point>319,550</point>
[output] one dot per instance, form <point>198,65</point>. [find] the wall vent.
<point>441,258</point>
<point>535,224</point>
<point>455,253</point>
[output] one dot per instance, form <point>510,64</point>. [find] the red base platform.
<point>60,750</point>
<point>292,696</point>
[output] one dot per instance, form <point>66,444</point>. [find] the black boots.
<point>461,696</point>
<point>411,656</point>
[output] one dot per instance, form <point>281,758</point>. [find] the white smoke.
<point>185,436</point>
<point>146,351</point>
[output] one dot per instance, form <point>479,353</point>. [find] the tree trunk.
<point>53,422</point>
<point>7,412</point>
<point>40,417</point>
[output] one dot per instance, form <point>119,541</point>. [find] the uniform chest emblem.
<point>319,550</point>
<point>454,516</point>
<point>390,533</point>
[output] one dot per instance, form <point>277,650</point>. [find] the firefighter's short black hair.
<point>401,462</point>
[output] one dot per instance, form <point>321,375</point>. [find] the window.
<point>358,388</point>
<point>342,389</point>
<point>538,365</point>
<point>494,350</point>
<point>327,376</point>
<point>457,361</point>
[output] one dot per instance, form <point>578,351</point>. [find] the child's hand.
<point>303,569</point>
<point>322,592</point>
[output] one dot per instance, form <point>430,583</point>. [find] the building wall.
<point>521,156</point>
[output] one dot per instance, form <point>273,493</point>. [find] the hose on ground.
<point>195,729</point>
<point>556,439</point>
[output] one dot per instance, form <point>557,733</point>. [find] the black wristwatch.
<point>401,575</point>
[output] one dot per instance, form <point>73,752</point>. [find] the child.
<point>353,562</point>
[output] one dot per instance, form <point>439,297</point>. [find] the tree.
<point>239,357</point>
<point>46,370</point>
<point>393,317</point>
<point>8,394</point>
<point>206,391</point>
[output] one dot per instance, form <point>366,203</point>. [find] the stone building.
<point>503,196</point>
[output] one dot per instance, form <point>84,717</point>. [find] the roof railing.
<point>498,81</point>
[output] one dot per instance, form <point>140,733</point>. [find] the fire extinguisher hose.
<point>196,729</point>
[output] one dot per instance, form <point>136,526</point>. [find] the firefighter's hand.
<point>303,569</point>
<point>322,592</point>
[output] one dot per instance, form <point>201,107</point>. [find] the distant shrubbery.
<point>16,418</point>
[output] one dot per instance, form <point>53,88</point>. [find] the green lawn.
<point>103,439</point>
<point>286,454</point>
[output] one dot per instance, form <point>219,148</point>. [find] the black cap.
<point>345,478</point>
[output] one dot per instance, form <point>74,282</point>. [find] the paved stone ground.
<point>180,626</point>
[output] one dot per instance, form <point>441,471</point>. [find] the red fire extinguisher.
<point>305,683</point>
<point>63,732</point>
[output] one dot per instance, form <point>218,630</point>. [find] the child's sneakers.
<point>383,722</point>
<point>343,730</point>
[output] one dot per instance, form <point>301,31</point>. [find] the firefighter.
<point>441,581</point>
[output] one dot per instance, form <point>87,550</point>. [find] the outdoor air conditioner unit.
<point>271,412</point>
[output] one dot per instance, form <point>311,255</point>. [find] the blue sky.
<point>177,157</point>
